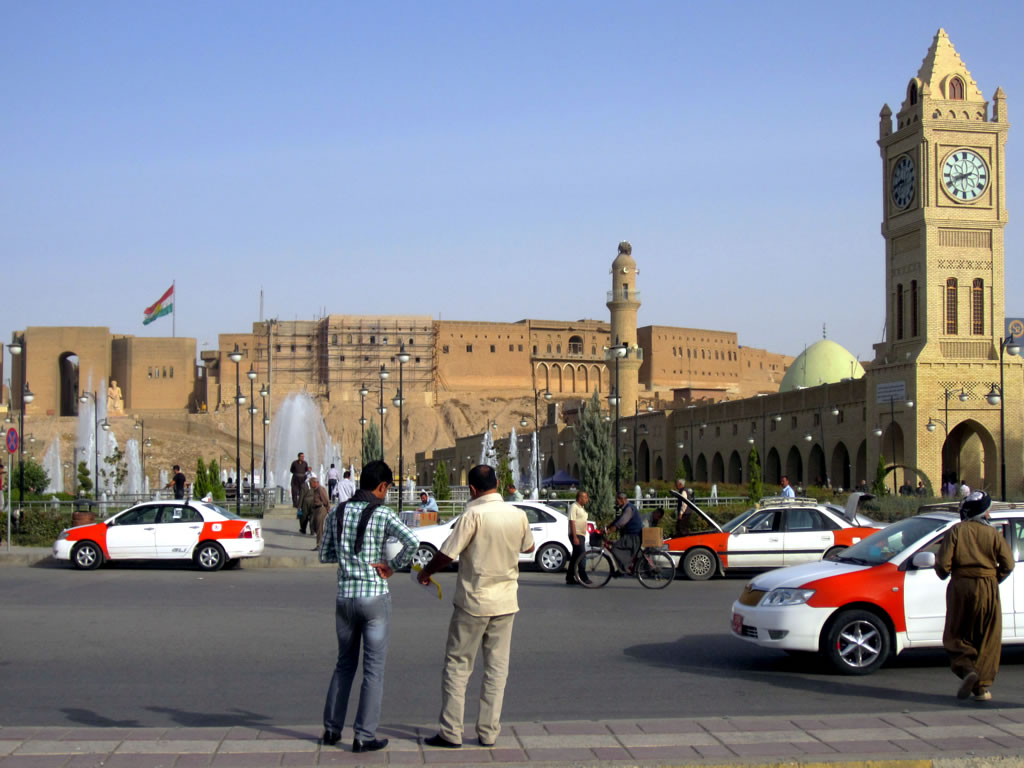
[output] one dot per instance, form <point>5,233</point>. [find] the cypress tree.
<point>442,491</point>
<point>371,444</point>
<point>597,465</point>
<point>756,490</point>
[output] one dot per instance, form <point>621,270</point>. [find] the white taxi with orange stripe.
<point>209,535</point>
<point>874,599</point>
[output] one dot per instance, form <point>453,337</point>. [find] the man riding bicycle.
<point>630,528</point>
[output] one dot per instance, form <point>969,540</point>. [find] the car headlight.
<point>63,535</point>
<point>778,597</point>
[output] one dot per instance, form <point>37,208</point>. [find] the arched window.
<point>912,93</point>
<point>899,311</point>
<point>913,308</point>
<point>576,345</point>
<point>978,307</point>
<point>951,318</point>
<point>956,89</point>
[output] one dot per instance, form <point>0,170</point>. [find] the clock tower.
<point>943,215</point>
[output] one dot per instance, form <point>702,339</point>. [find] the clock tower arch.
<point>943,216</point>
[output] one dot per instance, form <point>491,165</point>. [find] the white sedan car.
<point>207,534</point>
<point>550,530</point>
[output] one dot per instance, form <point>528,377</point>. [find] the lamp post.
<point>251,373</point>
<point>140,424</point>
<point>618,352</point>
<point>26,398</point>
<point>84,398</point>
<point>999,398</point>
<point>383,374</point>
<point>892,442</point>
<point>264,391</point>
<point>363,392</point>
<point>403,358</point>
<point>235,356</point>
<point>546,394</point>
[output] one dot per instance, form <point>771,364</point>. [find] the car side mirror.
<point>923,560</point>
<point>739,530</point>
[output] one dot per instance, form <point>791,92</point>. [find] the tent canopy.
<point>561,479</point>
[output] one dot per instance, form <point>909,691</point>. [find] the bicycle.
<point>652,567</point>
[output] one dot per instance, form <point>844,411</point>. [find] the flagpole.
<point>174,308</point>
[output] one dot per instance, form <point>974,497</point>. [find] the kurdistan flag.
<point>163,306</point>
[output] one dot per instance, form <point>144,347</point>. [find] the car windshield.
<point>737,521</point>
<point>884,545</point>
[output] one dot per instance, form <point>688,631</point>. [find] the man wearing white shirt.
<point>346,488</point>
<point>787,489</point>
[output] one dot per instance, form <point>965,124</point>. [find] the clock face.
<point>965,175</point>
<point>903,182</point>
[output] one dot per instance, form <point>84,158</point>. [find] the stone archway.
<point>891,445</point>
<point>688,467</point>
<point>550,467</point>
<point>67,373</point>
<point>794,466</point>
<point>717,469</point>
<point>860,475</point>
<point>839,467</point>
<point>816,466</point>
<point>659,469</point>
<point>735,468</point>
<point>974,456</point>
<point>773,467</point>
<point>701,475</point>
<point>643,460</point>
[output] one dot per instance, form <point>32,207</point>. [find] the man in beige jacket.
<point>487,540</point>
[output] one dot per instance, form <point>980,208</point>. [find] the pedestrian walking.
<point>346,488</point>
<point>178,481</point>
<point>578,538</point>
<point>354,536</point>
<point>977,557</point>
<point>487,540</point>
<point>299,470</point>
<point>333,478</point>
<point>314,505</point>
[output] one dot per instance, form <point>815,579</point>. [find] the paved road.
<point>165,646</point>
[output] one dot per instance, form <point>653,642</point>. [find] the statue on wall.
<point>115,402</point>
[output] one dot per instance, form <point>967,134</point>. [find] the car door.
<point>177,531</point>
<point>758,542</point>
<point>132,535</point>
<point>924,600</point>
<point>806,535</point>
<point>542,526</point>
<point>1017,577</point>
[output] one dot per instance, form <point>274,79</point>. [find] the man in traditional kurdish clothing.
<point>978,557</point>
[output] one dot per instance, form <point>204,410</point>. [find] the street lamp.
<point>26,398</point>
<point>618,352</point>
<point>140,424</point>
<point>546,394</point>
<point>403,358</point>
<point>383,373</point>
<point>264,391</point>
<point>84,398</point>
<point>878,432</point>
<point>995,397</point>
<point>251,373</point>
<point>236,357</point>
<point>363,392</point>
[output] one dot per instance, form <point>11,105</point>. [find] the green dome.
<point>824,362</point>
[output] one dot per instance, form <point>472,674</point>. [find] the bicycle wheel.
<point>596,569</point>
<point>655,569</point>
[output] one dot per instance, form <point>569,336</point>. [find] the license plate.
<point>737,624</point>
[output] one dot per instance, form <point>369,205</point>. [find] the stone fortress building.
<point>945,379</point>
<point>689,397</point>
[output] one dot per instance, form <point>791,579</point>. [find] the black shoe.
<point>437,740</point>
<point>368,746</point>
<point>330,738</point>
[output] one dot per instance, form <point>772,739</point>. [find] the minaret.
<point>623,303</point>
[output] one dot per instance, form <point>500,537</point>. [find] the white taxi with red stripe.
<point>874,599</point>
<point>205,533</point>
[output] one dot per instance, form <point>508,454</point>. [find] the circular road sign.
<point>12,440</point>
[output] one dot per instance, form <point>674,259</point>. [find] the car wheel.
<point>700,564</point>
<point>423,555</point>
<point>551,558</point>
<point>86,556</point>
<point>857,642</point>
<point>210,556</point>
<point>831,554</point>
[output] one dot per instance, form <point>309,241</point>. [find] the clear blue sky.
<point>468,160</point>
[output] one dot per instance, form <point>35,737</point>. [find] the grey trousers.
<point>466,635</point>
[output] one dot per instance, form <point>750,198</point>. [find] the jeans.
<point>366,620</point>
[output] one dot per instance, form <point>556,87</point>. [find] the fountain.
<point>299,426</point>
<point>513,456</point>
<point>533,480</point>
<point>133,480</point>
<point>91,415</point>
<point>54,468</point>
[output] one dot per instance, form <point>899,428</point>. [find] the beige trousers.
<point>466,635</point>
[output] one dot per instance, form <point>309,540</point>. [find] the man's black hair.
<point>176,468</point>
<point>375,473</point>
<point>483,478</point>
<point>347,474</point>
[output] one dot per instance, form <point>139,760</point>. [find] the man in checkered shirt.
<point>354,537</point>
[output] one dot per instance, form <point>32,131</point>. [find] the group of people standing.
<point>311,500</point>
<point>487,540</point>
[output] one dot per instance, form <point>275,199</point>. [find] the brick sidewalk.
<point>905,739</point>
